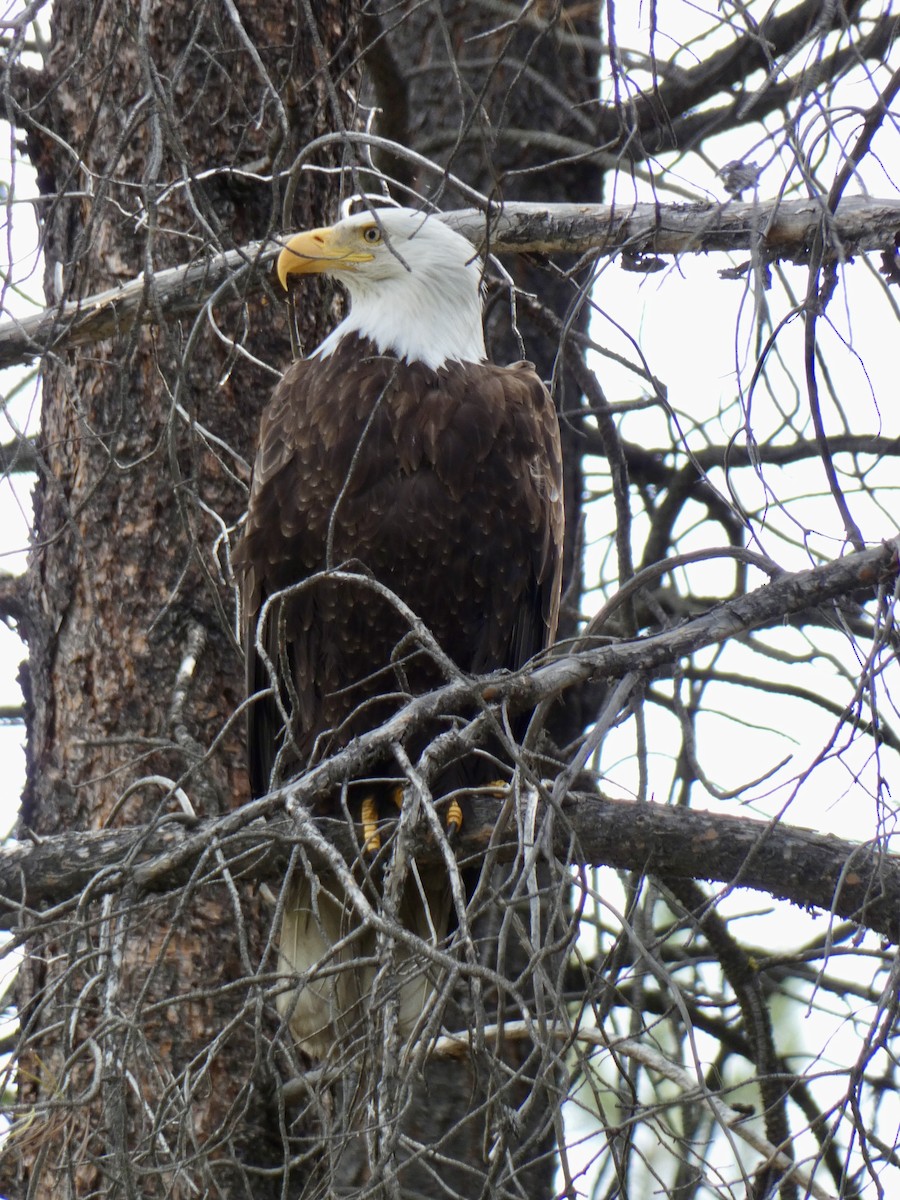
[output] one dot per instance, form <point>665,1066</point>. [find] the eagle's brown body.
<point>441,482</point>
<point>445,486</point>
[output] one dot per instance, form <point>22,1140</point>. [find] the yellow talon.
<point>454,817</point>
<point>371,836</point>
<point>397,795</point>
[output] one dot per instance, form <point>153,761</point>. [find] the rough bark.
<point>141,114</point>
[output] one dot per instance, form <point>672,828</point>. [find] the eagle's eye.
<point>372,235</point>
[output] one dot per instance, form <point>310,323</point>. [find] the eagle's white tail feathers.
<point>331,958</point>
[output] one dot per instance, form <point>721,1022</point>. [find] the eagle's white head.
<point>414,284</point>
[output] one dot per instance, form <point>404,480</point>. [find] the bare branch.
<point>13,597</point>
<point>777,230</point>
<point>789,593</point>
<point>19,456</point>
<point>856,882</point>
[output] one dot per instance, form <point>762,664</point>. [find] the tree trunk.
<point>153,128</point>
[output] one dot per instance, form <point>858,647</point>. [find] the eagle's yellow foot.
<point>454,817</point>
<point>369,816</point>
<point>498,788</point>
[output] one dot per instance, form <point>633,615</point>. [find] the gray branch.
<point>855,882</point>
<point>19,456</point>
<point>769,231</point>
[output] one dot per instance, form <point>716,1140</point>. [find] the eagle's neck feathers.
<point>432,316</point>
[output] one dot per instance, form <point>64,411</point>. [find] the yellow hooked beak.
<point>334,248</point>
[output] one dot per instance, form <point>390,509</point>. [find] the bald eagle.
<point>395,451</point>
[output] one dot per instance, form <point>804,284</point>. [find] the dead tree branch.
<point>856,882</point>
<point>776,230</point>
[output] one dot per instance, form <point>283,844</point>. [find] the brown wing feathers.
<point>445,485</point>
